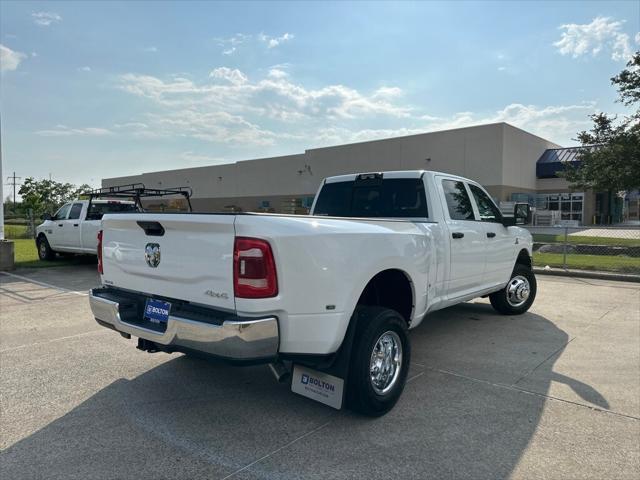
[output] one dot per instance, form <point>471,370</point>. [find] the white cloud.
<point>273,42</point>
<point>64,131</point>
<point>236,110</point>
<point>230,44</point>
<point>233,76</point>
<point>10,59</point>
<point>638,38</point>
<point>277,73</point>
<point>150,49</point>
<point>552,121</point>
<point>603,33</point>
<point>557,123</point>
<point>199,159</point>
<point>44,19</point>
<point>84,69</point>
<point>237,93</point>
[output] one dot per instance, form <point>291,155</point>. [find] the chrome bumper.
<point>244,339</point>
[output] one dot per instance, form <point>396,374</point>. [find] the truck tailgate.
<point>195,256</point>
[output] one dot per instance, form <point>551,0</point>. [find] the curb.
<point>621,277</point>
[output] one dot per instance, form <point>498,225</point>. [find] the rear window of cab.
<point>387,198</point>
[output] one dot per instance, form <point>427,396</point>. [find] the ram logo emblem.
<point>152,254</point>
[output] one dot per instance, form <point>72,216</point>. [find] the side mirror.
<point>508,221</point>
<point>46,216</point>
<point>522,213</point>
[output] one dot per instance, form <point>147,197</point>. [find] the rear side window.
<point>391,198</point>
<point>99,209</point>
<point>458,201</point>
<point>76,209</point>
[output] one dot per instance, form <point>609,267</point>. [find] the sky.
<point>92,90</point>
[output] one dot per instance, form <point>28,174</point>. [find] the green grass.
<point>607,263</point>
<point>584,240</point>
<point>26,256</point>
<point>15,231</point>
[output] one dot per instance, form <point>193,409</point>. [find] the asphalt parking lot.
<point>551,394</point>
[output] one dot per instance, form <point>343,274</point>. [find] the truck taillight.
<point>254,269</point>
<point>100,266</point>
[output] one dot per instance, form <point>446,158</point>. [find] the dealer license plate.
<point>157,311</point>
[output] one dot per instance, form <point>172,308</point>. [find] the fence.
<point>613,249</point>
<point>20,226</point>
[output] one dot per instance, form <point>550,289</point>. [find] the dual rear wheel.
<point>379,361</point>
<point>382,352</point>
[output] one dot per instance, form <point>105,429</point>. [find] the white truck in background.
<point>74,227</point>
<point>330,296</point>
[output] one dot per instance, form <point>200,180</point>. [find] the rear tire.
<point>518,295</point>
<point>44,249</point>
<point>379,361</point>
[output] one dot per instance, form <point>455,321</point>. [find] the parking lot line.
<point>530,392</point>
<point>44,284</point>
<point>29,345</point>
<point>264,457</point>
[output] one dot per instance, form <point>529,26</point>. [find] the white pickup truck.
<point>74,227</point>
<point>330,295</point>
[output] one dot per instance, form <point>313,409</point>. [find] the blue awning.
<point>554,160</point>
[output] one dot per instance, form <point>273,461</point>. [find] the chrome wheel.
<point>43,249</point>
<point>518,290</point>
<point>386,362</point>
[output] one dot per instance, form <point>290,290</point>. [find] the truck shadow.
<point>463,415</point>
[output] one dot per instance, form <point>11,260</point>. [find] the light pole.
<point>7,257</point>
<point>1,194</point>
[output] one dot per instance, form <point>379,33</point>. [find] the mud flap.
<point>318,386</point>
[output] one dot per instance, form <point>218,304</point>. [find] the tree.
<point>614,165</point>
<point>48,195</point>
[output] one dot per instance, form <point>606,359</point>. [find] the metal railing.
<point>603,248</point>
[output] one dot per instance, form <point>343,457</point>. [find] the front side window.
<point>62,213</point>
<point>74,214</point>
<point>488,210</point>
<point>458,201</point>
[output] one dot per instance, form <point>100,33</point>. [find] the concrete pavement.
<point>554,393</point>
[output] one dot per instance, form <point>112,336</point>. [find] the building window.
<point>570,205</point>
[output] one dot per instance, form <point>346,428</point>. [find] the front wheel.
<point>44,250</point>
<point>379,362</point>
<point>518,295</point>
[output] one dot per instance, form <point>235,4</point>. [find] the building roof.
<point>553,160</point>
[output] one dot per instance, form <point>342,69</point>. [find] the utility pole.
<point>13,181</point>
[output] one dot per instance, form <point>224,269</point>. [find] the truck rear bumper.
<point>231,338</point>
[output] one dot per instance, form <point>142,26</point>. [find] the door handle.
<point>61,224</point>
<point>491,234</point>
<point>457,234</point>
<point>75,225</point>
